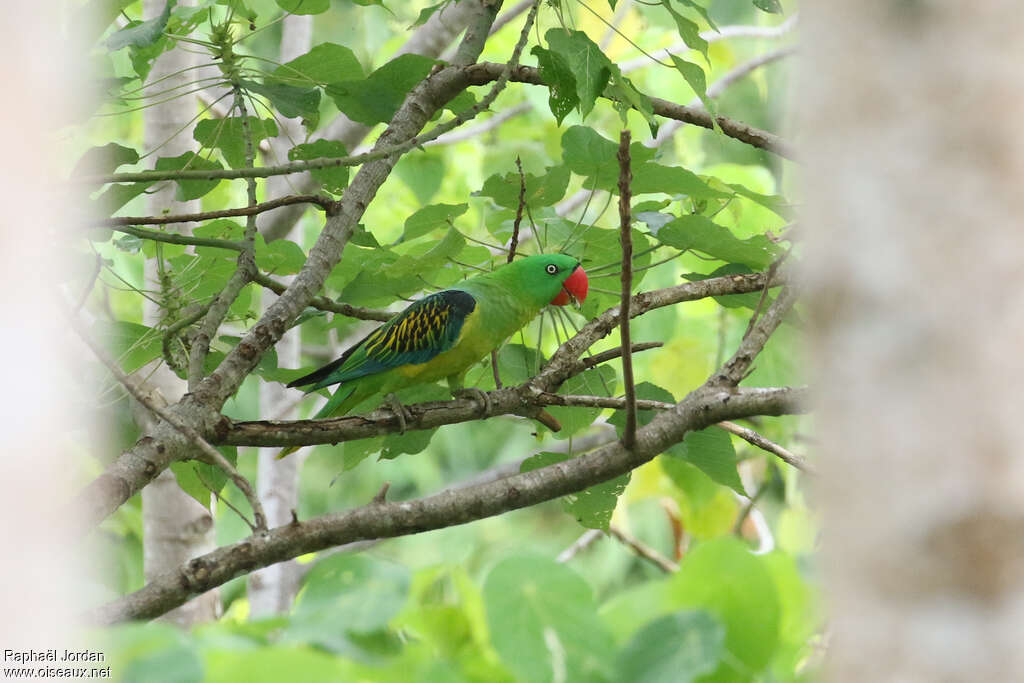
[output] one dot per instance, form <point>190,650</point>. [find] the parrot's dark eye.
<point>551,268</point>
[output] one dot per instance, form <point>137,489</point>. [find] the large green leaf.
<point>347,595</point>
<point>430,218</point>
<point>556,73</point>
<point>228,135</point>
<point>304,6</point>
<point>694,231</point>
<point>587,153</point>
<point>105,159</point>
<point>290,101</point>
<point>543,623</point>
<point>142,34</point>
<point>189,189</point>
<point>724,578</point>
<point>710,449</point>
<point>695,77</point>
<point>593,507</point>
<point>543,190</point>
<point>676,648</point>
<point>590,68</point>
<point>133,345</point>
<point>152,652</point>
<point>334,179</point>
<point>325,63</point>
<point>376,98</point>
<point>688,30</point>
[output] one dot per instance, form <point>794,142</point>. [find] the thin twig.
<point>643,550</point>
<point>325,304</point>
<point>586,539</point>
<point>323,202</point>
<point>626,239</point>
<point>752,437</point>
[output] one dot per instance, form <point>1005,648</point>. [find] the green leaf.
<point>333,179</point>
<point>712,451</point>
<point>587,153</point>
<point>700,10</point>
<point>694,231</point>
<point>116,196</point>
<point>133,345</point>
<point>423,173</point>
<point>592,507</point>
<point>543,623</point>
<point>428,12</point>
<point>105,159</point>
<point>228,135</point>
<point>695,78</point>
<point>590,68</point>
<point>688,31</point>
<point>430,218</point>
<point>280,257</point>
<point>200,480</point>
<point>189,189</point>
<point>672,180</point>
<point>289,100</point>
<point>724,578</point>
<point>152,652</point>
<point>376,98</point>
<point>676,648</point>
<point>599,381</point>
<point>543,190</point>
<point>557,75</point>
<point>345,595</point>
<point>769,6</point>
<point>325,63</point>
<point>141,34</point>
<point>304,6</point>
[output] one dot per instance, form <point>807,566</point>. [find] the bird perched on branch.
<point>442,335</point>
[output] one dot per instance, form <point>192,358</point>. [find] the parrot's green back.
<point>442,335</point>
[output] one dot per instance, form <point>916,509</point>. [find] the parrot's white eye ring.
<point>551,268</point>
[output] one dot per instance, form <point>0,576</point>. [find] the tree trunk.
<point>914,162</point>
<point>176,528</point>
<point>272,590</point>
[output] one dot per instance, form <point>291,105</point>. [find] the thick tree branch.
<point>325,304</point>
<point>486,72</point>
<point>701,408</point>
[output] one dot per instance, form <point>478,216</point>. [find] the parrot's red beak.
<point>574,288</point>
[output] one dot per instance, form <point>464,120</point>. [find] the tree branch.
<point>626,240</point>
<point>701,408</point>
<point>323,202</point>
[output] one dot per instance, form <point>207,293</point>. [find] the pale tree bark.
<point>41,563</point>
<point>272,590</point>
<point>911,117</point>
<point>176,527</point>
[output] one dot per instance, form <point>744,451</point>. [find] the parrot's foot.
<point>400,411</point>
<point>480,396</point>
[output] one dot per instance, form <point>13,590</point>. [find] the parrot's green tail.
<point>340,403</point>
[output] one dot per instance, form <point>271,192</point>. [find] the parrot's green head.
<point>547,279</point>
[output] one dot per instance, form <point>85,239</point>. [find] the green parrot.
<point>442,335</point>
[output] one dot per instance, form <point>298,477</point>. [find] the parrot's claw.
<point>400,411</point>
<point>480,396</point>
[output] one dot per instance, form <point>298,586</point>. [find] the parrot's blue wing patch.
<point>426,328</point>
